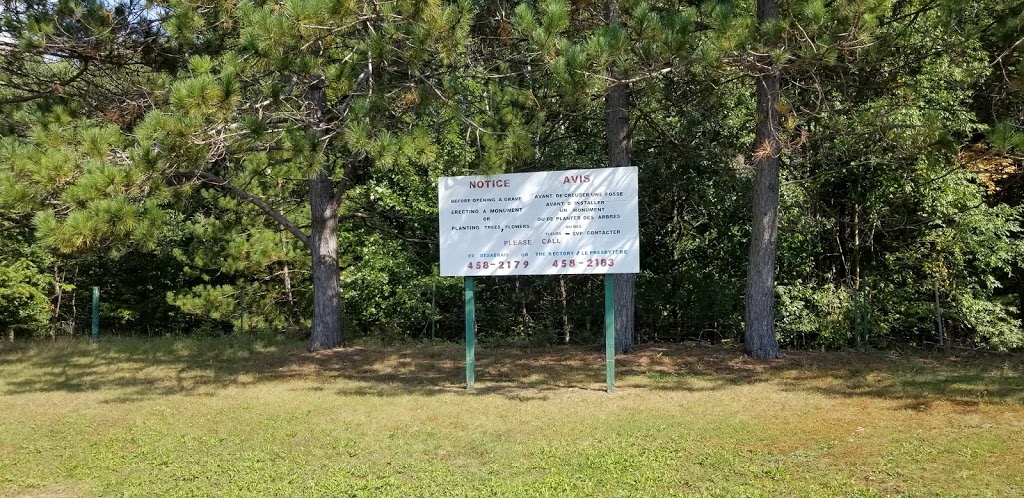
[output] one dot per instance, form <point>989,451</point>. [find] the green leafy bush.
<point>24,304</point>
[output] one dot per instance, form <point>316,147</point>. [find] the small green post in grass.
<point>470,334</point>
<point>609,330</point>
<point>95,313</point>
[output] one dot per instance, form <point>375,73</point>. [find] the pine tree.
<point>777,47</point>
<point>317,95</point>
<point>97,58</point>
<point>759,321</point>
<point>596,54</point>
<point>318,90</point>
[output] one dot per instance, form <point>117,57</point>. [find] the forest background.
<point>193,157</point>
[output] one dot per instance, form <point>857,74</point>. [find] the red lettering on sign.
<point>489,183</point>
<point>577,179</point>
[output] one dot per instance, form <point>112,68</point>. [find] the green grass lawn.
<point>233,417</point>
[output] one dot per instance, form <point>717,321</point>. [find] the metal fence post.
<point>470,334</point>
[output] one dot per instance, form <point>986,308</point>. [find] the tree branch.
<point>14,222</point>
<point>222,184</point>
<point>39,95</point>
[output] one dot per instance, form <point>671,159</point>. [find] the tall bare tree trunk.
<point>58,280</point>
<point>759,323</point>
<point>1020,294</point>
<point>323,240</point>
<point>74,307</point>
<point>286,275</point>
<point>286,271</point>
<point>620,147</point>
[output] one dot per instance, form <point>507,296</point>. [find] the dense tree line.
<point>812,174</point>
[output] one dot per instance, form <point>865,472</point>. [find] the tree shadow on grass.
<point>139,369</point>
<point>921,379</point>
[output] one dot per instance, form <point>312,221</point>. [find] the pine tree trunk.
<point>286,275</point>
<point>620,147</point>
<point>323,240</point>
<point>286,271</point>
<point>74,308</point>
<point>625,320</point>
<point>59,294</point>
<point>759,333</point>
<point>1020,295</point>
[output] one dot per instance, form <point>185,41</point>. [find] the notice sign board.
<point>545,223</point>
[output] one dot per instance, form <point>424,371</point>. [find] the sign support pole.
<point>470,334</point>
<point>609,330</point>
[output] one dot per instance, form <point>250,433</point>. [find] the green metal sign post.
<point>609,330</point>
<point>470,334</point>
<point>95,314</point>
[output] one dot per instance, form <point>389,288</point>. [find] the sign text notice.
<point>546,223</point>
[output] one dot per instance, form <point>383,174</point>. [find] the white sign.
<point>546,223</point>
